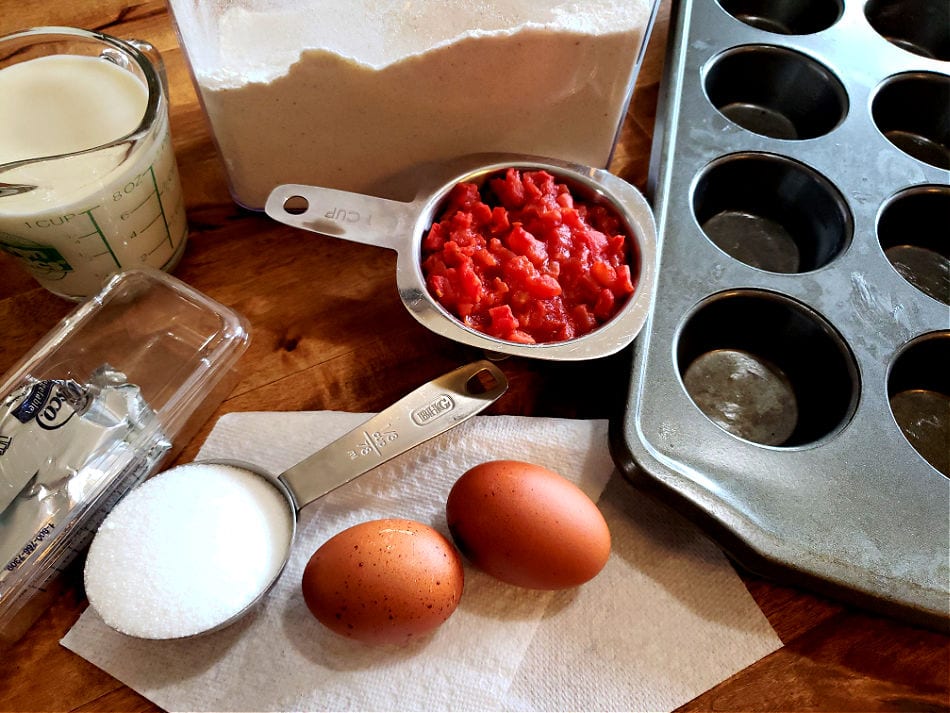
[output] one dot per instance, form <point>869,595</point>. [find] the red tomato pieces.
<point>528,262</point>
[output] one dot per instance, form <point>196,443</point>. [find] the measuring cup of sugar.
<point>89,185</point>
<point>194,548</point>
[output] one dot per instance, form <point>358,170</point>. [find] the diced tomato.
<point>584,320</point>
<point>503,321</point>
<point>452,254</point>
<point>524,243</point>
<point>565,199</point>
<point>469,283</point>
<point>603,273</point>
<point>544,287</point>
<point>533,192</point>
<point>463,197</point>
<point>596,241</point>
<point>499,286</point>
<point>604,307</point>
<point>499,220</point>
<point>438,286</point>
<point>510,190</point>
<point>434,239</point>
<point>460,222</point>
<point>481,214</point>
<point>527,262</point>
<point>624,284</point>
<point>484,258</point>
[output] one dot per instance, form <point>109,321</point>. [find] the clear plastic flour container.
<point>354,94</point>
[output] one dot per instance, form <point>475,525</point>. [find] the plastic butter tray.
<point>791,390</point>
<point>101,402</point>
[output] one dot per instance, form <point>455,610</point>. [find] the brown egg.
<point>527,525</point>
<point>384,581</point>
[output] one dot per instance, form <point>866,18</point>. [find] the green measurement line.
<point>149,224</point>
<point>130,212</point>
<point>158,197</point>
<point>103,237</point>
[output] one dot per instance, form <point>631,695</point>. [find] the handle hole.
<point>296,205</point>
<point>481,383</point>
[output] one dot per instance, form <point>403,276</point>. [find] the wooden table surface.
<point>329,332</point>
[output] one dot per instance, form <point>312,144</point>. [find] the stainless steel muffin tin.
<point>791,390</point>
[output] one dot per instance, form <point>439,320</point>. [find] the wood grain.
<point>329,331</point>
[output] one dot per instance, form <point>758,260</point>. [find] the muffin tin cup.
<point>802,281</point>
<point>918,26</point>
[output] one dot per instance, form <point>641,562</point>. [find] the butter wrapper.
<point>63,446</point>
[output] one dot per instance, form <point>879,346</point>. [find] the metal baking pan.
<point>791,389</point>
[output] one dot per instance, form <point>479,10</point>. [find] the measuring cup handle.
<point>341,214</point>
<point>428,411</point>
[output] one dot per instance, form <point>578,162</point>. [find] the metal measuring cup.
<point>401,226</point>
<point>426,412</point>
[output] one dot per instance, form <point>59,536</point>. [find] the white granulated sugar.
<point>187,550</point>
<point>351,94</point>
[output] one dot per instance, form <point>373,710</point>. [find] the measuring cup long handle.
<point>428,411</point>
<point>342,214</point>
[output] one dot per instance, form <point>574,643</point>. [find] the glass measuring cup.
<point>134,566</point>
<point>89,185</point>
<point>401,226</point>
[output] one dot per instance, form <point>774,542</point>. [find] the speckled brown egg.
<point>384,582</point>
<point>527,525</point>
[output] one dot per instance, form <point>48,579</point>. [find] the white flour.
<point>348,94</point>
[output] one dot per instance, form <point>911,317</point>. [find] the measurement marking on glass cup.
<point>179,206</point>
<point>149,224</point>
<point>161,208</point>
<point>157,194</point>
<point>102,236</point>
<point>128,213</point>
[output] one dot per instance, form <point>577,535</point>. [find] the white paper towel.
<point>666,619</point>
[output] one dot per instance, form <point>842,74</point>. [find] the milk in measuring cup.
<point>95,213</point>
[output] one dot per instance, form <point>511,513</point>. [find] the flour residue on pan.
<point>877,312</point>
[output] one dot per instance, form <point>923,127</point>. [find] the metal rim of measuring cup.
<point>433,408</point>
<point>436,182</point>
<point>135,49</point>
